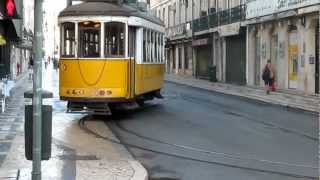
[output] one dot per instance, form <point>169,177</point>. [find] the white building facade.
<point>205,38</point>
<point>287,33</point>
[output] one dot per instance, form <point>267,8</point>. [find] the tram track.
<point>82,124</point>
<point>226,109</point>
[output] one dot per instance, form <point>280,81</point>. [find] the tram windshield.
<point>68,39</point>
<point>114,39</point>
<point>89,36</point>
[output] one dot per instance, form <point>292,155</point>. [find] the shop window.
<point>180,58</point>
<point>68,39</point>
<point>115,39</point>
<point>186,57</point>
<point>89,39</point>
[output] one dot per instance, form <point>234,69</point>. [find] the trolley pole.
<point>37,90</point>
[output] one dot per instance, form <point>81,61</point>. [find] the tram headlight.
<point>63,67</point>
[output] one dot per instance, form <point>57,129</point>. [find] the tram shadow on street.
<point>119,114</point>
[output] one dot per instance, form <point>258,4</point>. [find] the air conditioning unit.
<point>203,13</point>
<point>212,10</point>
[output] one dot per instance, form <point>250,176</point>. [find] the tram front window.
<point>68,39</point>
<point>89,39</point>
<point>114,39</point>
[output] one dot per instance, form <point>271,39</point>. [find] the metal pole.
<point>37,84</point>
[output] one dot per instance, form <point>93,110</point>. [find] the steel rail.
<point>82,125</point>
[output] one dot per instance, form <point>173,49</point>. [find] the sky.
<point>51,29</point>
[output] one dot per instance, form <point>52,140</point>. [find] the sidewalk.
<point>76,155</point>
<point>283,98</point>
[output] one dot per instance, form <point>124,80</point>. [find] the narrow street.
<point>196,134</point>
<point>190,134</point>
<point>234,90</point>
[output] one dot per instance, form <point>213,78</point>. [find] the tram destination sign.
<point>258,8</point>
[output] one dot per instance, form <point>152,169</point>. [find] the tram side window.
<point>89,39</point>
<point>132,41</point>
<point>162,48</point>
<point>148,46</point>
<point>68,39</point>
<point>114,39</point>
<point>144,45</point>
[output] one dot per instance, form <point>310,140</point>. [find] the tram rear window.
<point>114,39</point>
<point>68,40</point>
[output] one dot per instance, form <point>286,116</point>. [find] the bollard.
<point>46,127</point>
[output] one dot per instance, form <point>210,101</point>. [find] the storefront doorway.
<point>293,59</point>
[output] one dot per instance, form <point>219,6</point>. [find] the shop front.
<point>203,56</point>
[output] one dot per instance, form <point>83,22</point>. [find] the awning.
<point>8,30</point>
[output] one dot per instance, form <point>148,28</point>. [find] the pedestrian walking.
<point>269,77</point>
<point>30,68</point>
<point>18,69</point>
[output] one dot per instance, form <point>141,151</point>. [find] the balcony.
<point>225,17</point>
<point>177,30</point>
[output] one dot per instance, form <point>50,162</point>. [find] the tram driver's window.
<point>114,39</point>
<point>68,39</point>
<point>89,39</point>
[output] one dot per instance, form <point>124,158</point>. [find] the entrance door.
<point>293,60</point>
<point>257,62</point>
<point>236,59</point>
<point>203,61</point>
<point>317,73</point>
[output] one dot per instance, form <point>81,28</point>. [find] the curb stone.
<point>140,173</point>
<point>210,87</point>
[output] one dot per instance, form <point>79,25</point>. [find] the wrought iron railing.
<point>176,30</point>
<point>216,19</point>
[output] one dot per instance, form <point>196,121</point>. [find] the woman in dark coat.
<point>267,76</point>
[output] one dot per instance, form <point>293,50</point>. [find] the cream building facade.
<point>287,33</point>
<point>201,36</point>
<point>237,37</point>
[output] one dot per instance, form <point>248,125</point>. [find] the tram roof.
<point>106,9</point>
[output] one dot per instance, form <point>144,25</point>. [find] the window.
<point>148,46</point>
<point>68,39</point>
<point>114,39</point>
<point>158,50</point>
<point>186,57</point>
<point>89,39</point>
<point>162,48</point>
<point>144,45</point>
<point>132,41</point>
<point>152,47</point>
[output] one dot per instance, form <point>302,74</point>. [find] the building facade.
<point>238,37</point>
<point>202,34</point>
<point>287,33</point>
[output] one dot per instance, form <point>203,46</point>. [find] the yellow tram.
<point>110,54</point>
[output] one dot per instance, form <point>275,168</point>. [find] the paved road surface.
<point>196,134</point>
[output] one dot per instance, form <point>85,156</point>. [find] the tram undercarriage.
<point>100,107</point>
